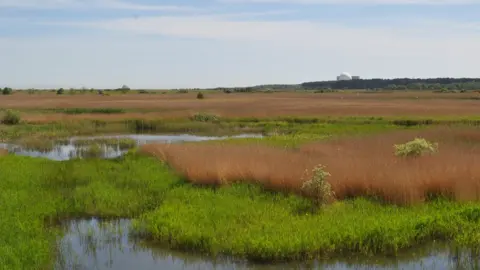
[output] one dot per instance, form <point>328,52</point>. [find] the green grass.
<point>240,220</point>
<point>34,193</point>
<point>246,222</point>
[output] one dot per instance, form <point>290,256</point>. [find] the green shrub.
<point>317,186</point>
<point>11,118</point>
<point>200,95</point>
<point>415,148</point>
<point>60,91</point>
<point>92,151</point>
<point>7,91</point>
<point>204,117</point>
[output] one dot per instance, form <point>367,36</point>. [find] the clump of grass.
<point>318,187</point>
<point>36,143</point>
<point>92,151</point>
<point>200,95</point>
<point>11,117</point>
<point>204,117</point>
<point>416,148</point>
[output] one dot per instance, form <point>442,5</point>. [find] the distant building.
<point>345,76</point>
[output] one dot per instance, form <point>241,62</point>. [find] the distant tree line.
<point>399,84</point>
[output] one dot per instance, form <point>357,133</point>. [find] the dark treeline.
<point>399,84</point>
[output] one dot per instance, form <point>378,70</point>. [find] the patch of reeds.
<point>360,166</point>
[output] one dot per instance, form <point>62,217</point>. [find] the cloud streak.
<point>88,4</point>
<point>359,2</point>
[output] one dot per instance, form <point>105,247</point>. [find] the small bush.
<point>317,186</point>
<point>204,117</point>
<point>92,151</point>
<point>11,118</point>
<point>7,91</point>
<point>415,148</point>
<point>200,95</point>
<point>60,91</point>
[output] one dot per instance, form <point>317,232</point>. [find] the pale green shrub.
<point>317,186</point>
<point>11,117</point>
<point>204,117</point>
<point>416,148</point>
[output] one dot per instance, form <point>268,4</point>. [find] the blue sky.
<point>210,43</point>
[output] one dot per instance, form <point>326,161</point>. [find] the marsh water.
<point>67,149</point>
<point>93,244</point>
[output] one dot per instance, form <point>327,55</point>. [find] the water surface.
<point>91,244</point>
<point>67,149</point>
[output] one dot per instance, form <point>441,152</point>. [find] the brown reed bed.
<point>361,166</point>
<point>246,105</point>
<point>3,152</point>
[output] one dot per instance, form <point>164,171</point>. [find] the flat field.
<point>249,104</point>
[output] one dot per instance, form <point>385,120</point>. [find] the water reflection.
<point>91,244</point>
<point>72,148</point>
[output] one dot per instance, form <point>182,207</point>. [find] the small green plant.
<point>204,117</point>
<point>11,118</point>
<point>317,186</point>
<point>93,151</point>
<point>60,91</point>
<point>7,91</point>
<point>200,95</point>
<point>416,148</point>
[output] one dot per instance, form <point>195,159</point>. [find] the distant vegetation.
<point>444,84</point>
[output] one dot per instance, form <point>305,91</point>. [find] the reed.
<point>359,166</point>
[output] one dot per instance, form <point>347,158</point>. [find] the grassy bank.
<point>242,220</point>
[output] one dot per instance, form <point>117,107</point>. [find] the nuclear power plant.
<point>345,76</point>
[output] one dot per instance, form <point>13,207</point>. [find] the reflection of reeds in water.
<point>122,143</point>
<point>36,144</point>
<point>95,239</point>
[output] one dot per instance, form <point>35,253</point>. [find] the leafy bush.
<point>200,95</point>
<point>60,91</point>
<point>415,148</point>
<point>7,91</point>
<point>11,118</point>
<point>317,186</point>
<point>204,117</point>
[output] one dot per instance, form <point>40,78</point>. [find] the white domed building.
<point>345,76</point>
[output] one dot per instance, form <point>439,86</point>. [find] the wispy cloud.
<point>361,2</point>
<point>87,4</point>
<point>300,33</point>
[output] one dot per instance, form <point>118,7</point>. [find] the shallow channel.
<point>93,244</point>
<point>67,149</point>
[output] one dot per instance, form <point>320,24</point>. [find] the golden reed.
<point>360,166</point>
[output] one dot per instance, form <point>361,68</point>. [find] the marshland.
<point>314,180</point>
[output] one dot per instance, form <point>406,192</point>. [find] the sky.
<point>221,43</point>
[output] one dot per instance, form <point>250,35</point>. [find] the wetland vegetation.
<point>243,197</point>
